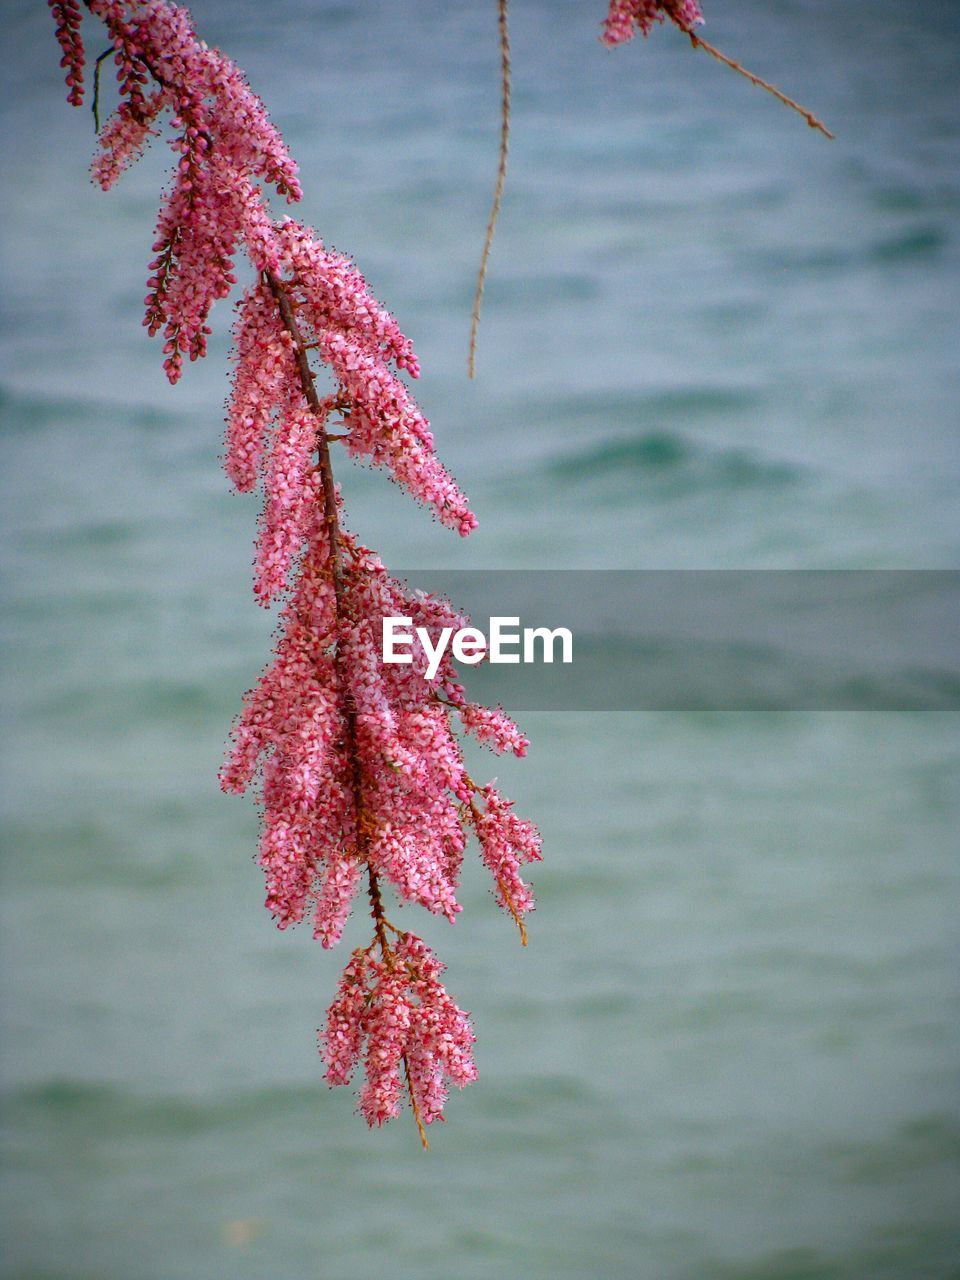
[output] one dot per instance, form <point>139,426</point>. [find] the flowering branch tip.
<point>505,92</point>
<point>626,17</point>
<point>699,43</point>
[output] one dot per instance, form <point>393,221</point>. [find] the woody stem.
<point>699,43</point>
<point>376,910</point>
<point>505,91</point>
<point>415,1106</point>
<point>288,316</point>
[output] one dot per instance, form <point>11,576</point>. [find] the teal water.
<point>711,340</point>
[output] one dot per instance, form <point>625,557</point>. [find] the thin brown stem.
<point>498,188</point>
<point>321,408</point>
<point>307,386</point>
<point>380,922</point>
<point>376,912</point>
<point>517,917</point>
<point>415,1106</point>
<point>699,43</point>
<point>95,105</point>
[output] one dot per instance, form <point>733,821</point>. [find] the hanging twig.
<point>498,188</point>
<point>96,89</point>
<point>699,43</point>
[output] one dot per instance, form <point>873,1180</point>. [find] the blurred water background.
<point>712,340</point>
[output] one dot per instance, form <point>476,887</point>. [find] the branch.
<point>95,105</point>
<point>699,43</point>
<point>308,386</point>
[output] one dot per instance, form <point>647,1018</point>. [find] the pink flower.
<point>395,1015</point>
<point>413,788</point>
<point>506,843</point>
<point>292,496</point>
<point>265,368</point>
<point>124,136</point>
<point>493,728</point>
<point>224,143</point>
<point>624,17</point>
<point>67,15</point>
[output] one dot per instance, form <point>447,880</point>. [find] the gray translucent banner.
<point>719,640</point>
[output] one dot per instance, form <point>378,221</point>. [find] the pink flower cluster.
<point>359,773</point>
<point>358,341</point>
<point>224,143</point>
<point>506,842</point>
<point>67,15</point>
<point>393,780</point>
<point>625,17</point>
<point>395,1014</point>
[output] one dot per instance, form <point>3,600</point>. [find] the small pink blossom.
<point>265,368</point>
<point>292,495</point>
<point>123,138</point>
<point>506,843</point>
<point>67,15</point>
<point>395,1015</point>
<point>625,17</point>
<point>494,728</point>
